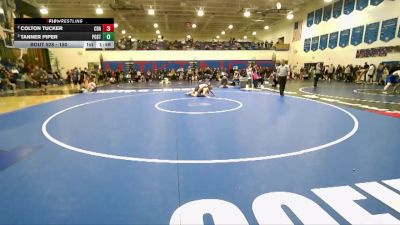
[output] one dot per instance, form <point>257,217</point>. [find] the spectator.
<point>30,82</point>
<point>317,73</point>
<point>89,85</point>
<point>347,74</point>
<point>5,80</point>
<point>366,66</point>
<point>379,74</point>
<point>385,74</point>
<point>339,73</point>
<point>331,70</point>
<point>256,78</point>
<point>236,77</point>
<point>370,73</point>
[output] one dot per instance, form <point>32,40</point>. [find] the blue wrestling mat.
<point>160,157</point>
<point>367,93</point>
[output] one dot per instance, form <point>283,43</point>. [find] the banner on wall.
<point>310,19</point>
<point>314,43</point>
<point>307,45</point>
<point>376,2</point>
<point>371,32</point>
<point>297,30</point>
<point>323,42</point>
<point>344,38</point>
<point>393,49</point>
<point>318,16</point>
<point>327,12</point>
<point>337,8</point>
<point>348,6</point>
<point>333,40</point>
<point>361,4</point>
<point>357,35</point>
<point>399,32</point>
<point>377,52</point>
<point>372,52</point>
<point>388,30</point>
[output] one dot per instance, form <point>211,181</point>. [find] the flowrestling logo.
<point>267,208</point>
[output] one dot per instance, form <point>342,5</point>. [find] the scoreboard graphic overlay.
<point>89,33</point>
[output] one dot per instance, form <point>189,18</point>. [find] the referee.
<point>282,73</point>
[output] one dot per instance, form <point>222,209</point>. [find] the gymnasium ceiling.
<point>172,16</point>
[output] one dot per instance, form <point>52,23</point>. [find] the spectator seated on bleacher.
<point>29,81</point>
<point>6,79</point>
<point>89,85</point>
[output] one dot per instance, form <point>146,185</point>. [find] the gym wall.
<point>386,10</point>
<point>70,58</point>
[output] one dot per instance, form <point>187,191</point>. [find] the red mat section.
<point>397,115</point>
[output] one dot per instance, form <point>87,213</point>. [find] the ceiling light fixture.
<point>129,36</point>
<point>99,10</point>
<point>159,36</point>
<point>200,12</point>
<point>266,27</point>
<point>278,5</point>
<point>194,26</point>
<point>247,13</point>
<point>290,16</point>
<point>123,32</point>
<point>43,10</point>
<point>245,37</point>
<point>157,31</point>
<point>230,27</point>
<point>188,36</point>
<point>254,33</point>
<point>223,32</point>
<point>115,25</point>
<point>217,37</point>
<point>151,11</point>
<point>328,1</point>
<point>155,25</point>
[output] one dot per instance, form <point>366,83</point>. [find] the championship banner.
<point>399,32</point>
<point>307,45</point>
<point>323,42</point>
<point>388,30</point>
<point>327,12</point>
<point>314,43</point>
<point>361,4</point>
<point>337,8</point>
<point>376,2</point>
<point>333,40</point>
<point>318,16</point>
<point>378,52</point>
<point>371,32</point>
<point>297,31</point>
<point>344,38</point>
<point>357,35</point>
<point>1,33</point>
<point>348,6</point>
<point>310,19</point>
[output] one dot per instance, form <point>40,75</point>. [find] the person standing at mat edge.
<point>317,73</point>
<point>282,73</point>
